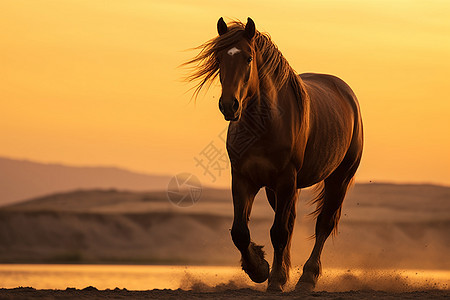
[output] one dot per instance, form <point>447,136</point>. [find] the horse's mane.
<point>205,66</point>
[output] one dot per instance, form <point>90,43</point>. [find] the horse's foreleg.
<point>281,233</point>
<point>252,255</point>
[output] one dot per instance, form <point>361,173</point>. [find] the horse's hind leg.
<point>252,255</point>
<point>335,188</point>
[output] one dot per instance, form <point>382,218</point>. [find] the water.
<point>137,277</point>
<point>131,277</point>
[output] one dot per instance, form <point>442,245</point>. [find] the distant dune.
<point>22,179</point>
<point>382,226</point>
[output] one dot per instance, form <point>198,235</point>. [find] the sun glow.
<point>98,83</point>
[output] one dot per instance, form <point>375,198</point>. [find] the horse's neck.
<point>256,120</point>
<point>282,107</point>
<point>259,107</point>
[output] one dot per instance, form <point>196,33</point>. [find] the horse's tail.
<point>319,199</point>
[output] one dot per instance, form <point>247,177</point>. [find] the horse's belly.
<point>306,178</point>
<point>321,160</point>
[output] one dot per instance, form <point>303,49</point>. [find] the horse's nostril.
<point>235,105</point>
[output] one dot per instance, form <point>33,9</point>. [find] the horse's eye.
<point>249,60</point>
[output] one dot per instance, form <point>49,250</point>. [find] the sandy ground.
<point>93,293</point>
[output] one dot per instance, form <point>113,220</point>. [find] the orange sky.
<point>96,82</point>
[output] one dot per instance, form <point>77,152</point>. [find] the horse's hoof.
<point>304,287</point>
<point>255,265</point>
<point>261,273</point>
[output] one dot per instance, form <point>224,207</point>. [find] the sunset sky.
<point>99,83</point>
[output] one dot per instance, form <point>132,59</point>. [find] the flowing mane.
<point>205,67</point>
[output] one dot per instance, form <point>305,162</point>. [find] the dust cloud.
<point>395,281</point>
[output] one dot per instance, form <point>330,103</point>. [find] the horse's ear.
<point>250,29</point>
<point>222,27</point>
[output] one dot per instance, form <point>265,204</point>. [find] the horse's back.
<point>335,126</point>
<point>329,92</point>
<point>318,85</point>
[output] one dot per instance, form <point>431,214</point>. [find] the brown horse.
<point>286,132</point>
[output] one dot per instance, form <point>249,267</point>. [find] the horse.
<point>286,132</point>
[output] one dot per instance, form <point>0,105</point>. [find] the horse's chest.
<point>259,161</point>
<point>255,149</point>
<point>259,168</point>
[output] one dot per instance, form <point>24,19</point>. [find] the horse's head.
<point>237,69</point>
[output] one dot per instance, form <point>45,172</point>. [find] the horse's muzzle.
<point>233,119</point>
<point>230,110</point>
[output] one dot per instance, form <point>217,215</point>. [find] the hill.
<point>22,179</point>
<point>382,226</point>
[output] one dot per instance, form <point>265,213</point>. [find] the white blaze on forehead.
<point>233,51</point>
